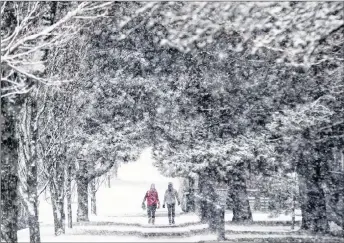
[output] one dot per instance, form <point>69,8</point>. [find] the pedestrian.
<point>153,203</point>
<point>170,199</point>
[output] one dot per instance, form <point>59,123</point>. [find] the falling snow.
<point>172,121</point>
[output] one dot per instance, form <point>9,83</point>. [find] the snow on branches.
<point>294,30</point>
<point>28,30</point>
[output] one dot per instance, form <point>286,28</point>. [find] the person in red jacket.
<point>153,203</point>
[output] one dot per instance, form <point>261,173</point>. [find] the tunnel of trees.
<point>87,85</point>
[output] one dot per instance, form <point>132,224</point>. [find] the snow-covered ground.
<point>120,217</point>
<point>121,203</point>
<point>126,194</point>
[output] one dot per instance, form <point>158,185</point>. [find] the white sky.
<point>143,170</point>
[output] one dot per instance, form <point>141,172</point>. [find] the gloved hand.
<point>163,206</point>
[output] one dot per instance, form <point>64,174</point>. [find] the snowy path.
<point>121,219</point>
<point>188,229</point>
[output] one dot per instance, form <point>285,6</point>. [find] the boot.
<point>153,221</point>
<point>173,221</point>
<point>149,220</point>
<point>170,221</point>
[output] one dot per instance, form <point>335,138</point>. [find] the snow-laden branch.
<point>21,25</point>
<point>280,27</point>
<point>80,9</point>
<point>46,31</point>
<point>28,39</point>
<point>97,6</point>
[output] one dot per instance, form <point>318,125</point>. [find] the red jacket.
<point>152,197</point>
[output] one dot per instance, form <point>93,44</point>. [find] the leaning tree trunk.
<point>9,171</point>
<point>93,197</point>
<point>241,206</point>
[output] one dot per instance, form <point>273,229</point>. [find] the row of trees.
<point>258,100</point>
<point>217,89</point>
<point>59,123</point>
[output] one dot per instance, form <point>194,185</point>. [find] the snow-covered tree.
<point>28,30</point>
<point>287,31</point>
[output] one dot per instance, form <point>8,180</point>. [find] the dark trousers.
<point>171,208</point>
<point>151,211</point>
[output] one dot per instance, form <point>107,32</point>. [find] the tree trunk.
<point>27,133</point>
<point>108,177</point>
<point>57,202</point>
<point>207,202</point>
<point>335,199</point>
<point>313,205</point>
<point>93,197</point>
<point>9,171</point>
<point>241,206</point>
<point>303,201</point>
<point>116,169</point>
<point>211,204</point>
<point>203,206</point>
<point>9,201</point>
<point>191,199</point>
<point>59,215</point>
<point>69,195</point>
<point>82,190</point>
<point>57,191</point>
<point>33,205</point>
<point>32,173</point>
<point>82,184</point>
<point>84,175</point>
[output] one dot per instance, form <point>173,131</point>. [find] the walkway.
<point>120,217</point>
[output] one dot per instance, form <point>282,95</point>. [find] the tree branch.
<point>49,29</point>
<point>102,170</point>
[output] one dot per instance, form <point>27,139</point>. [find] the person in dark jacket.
<point>153,203</point>
<point>171,195</point>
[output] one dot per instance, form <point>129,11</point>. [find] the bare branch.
<point>44,187</point>
<point>97,6</point>
<point>22,91</point>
